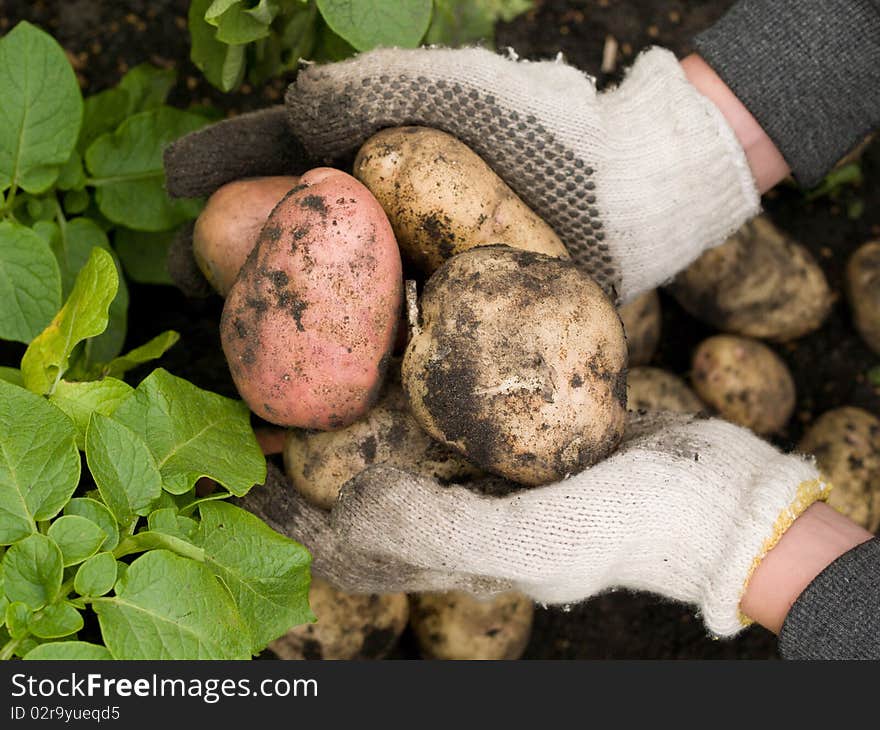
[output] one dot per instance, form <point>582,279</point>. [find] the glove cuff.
<point>785,489</point>
<point>676,180</point>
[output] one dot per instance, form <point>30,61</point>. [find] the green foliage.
<point>232,39</point>
<point>126,550</point>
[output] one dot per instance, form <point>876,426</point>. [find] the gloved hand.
<point>637,181</point>
<point>686,508</point>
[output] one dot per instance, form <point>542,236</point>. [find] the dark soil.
<point>105,38</point>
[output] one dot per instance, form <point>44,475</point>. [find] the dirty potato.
<point>641,323</point>
<point>318,463</point>
<point>745,381</point>
<point>759,283</point>
<point>653,389</point>
<point>348,626</point>
<point>846,444</point>
<point>227,229</point>
<point>310,322</point>
<point>442,199</point>
<point>863,289</point>
<point>519,364</point>
<point>456,625</point>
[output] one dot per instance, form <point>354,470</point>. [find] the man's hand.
<point>686,508</point>
<point>637,181</point>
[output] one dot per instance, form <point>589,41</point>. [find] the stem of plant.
<point>8,650</point>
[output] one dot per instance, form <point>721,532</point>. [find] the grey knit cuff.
<point>808,71</point>
<point>838,614</point>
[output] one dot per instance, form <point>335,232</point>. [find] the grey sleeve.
<point>808,71</point>
<point>838,614</point>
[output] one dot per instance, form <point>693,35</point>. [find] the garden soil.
<point>106,38</point>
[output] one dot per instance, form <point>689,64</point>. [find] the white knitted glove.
<point>686,508</point>
<point>637,181</point>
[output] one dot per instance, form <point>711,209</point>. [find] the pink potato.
<point>310,323</point>
<point>227,228</point>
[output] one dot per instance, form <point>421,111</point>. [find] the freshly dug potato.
<point>226,231</point>
<point>745,381</point>
<point>318,463</point>
<point>759,283</point>
<point>863,288</point>
<point>846,444</point>
<point>653,389</point>
<point>310,323</point>
<point>456,625</point>
<point>349,626</point>
<point>519,364</point>
<point>641,323</point>
<point>442,199</point>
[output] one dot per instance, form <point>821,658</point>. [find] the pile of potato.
<point>419,314</point>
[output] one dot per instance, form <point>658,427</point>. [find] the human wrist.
<point>815,540</point>
<point>765,161</point>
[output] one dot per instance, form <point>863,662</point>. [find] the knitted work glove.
<point>637,181</point>
<point>686,508</point>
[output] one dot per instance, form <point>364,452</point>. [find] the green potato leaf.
<point>55,621</point>
<point>72,176</point>
<point>238,24</point>
<point>123,468</point>
<point>96,575</point>
<point>147,87</point>
<point>102,113</point>
<point>267,573</point>
<point>83,315</point>
<point>17,615</point>
<point>39,462</point>
<point>367,24</point>
<point>30,283</point>
<point>127,172</point>
<point>11,375</point>
<point>68,651</point>
<point>76,201</point>
<point>144,256</point>
<point>222,64</point>
<point>73,245</point>
<point>167,520</point>
<point>32,571</point>
<point>41,111</point>
<point>193,433</point>
<point>98,513</point>
<point>169,607</point>
<point>78,538</point>
<point>152,350</point>
<point>80,400</point>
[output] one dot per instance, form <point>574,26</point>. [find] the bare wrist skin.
<point>815,540</point>
<point>767,164</point>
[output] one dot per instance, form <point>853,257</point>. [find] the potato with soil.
<point>846,444</point>
<point>318,463</point>
<point>348,626</point>
<point>227,229</point>
<point>863,289</point>
<point>442,199</point>
<point>456,625</point>
<point>641,323</point>
<point>759,283</point>
<point>745,381</point>
<point>519,364</point>
<point>310,323</point>
<point>653,389</point>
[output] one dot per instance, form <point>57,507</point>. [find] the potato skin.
<point>653,389</point>
<point>759,283</point>
<point>310,323</point>
<point>442,199</point>
<point>318,463</point>
<point>846,444</point>
<point>519,364</point>
<point>227,229</point>
<point>641,323</point>
<point>745,381</point>
<point>455,625</point>
<point>863,290</point>
<point>349,626</point>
